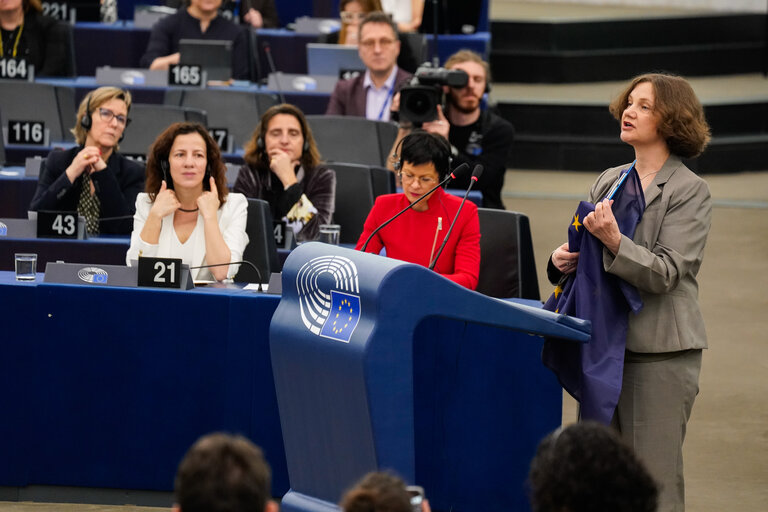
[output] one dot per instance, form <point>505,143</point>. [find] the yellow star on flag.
<point>558,291</point>
<point>576,222</point>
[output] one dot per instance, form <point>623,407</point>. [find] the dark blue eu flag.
<point>343,317</point>
<point>592,372</point>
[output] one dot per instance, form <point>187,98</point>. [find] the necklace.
<point>188,211</point>
<point>649,174</point>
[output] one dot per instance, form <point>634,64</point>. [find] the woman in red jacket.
<point>416,235</point>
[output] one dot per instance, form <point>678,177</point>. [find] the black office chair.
<point>507,265</point>
<point>383,181</point>
<point>413,51</point>
<point>237,111</point>
<point>353,139</point>
<point>52,105</point>
<point>149,121</point>
<point>261,249</point>
<point>354,199</point>
<point>2,143</point>
<point>71,67</point>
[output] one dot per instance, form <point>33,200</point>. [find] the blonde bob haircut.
<point>97,98</point>
<point>680,115</point>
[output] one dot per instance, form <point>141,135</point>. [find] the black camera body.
<point>420,98</point>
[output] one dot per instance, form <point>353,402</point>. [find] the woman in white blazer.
<point>186,211</point>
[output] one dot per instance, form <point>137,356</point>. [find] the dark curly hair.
<point>161,150</point>
<point>586,467</point>
<point>377,492</point>
<point>681,117</point>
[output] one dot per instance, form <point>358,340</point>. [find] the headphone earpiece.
<point>397,160</point>
<point>305,147</point>
<point>86,121</point>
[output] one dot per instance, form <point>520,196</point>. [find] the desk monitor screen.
<point>332,59</point>
<point>215,56</point>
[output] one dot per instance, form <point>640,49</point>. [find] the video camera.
<point>420,98</point>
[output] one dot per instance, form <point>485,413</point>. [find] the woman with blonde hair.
<point>93,178</point>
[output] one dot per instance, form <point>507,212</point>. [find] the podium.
<point>381,364</point>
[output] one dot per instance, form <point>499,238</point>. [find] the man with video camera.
<point>477,136</point>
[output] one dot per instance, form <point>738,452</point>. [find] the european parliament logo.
<point>329,298</point>
<point>3,229</point>
<point>93,275</point>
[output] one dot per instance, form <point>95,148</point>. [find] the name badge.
<point>185,74</point>
<point>160,272</point>
<point>26,132</point>
<point>56,224</point>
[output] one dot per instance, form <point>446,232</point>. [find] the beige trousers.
<point>656,399</point>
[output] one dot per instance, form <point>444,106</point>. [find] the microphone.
<point>461,169</point>
<point>273,69</point>
<point>254,267</point>
<point>476,172</point>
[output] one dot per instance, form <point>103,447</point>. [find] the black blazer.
<point>116,187</point>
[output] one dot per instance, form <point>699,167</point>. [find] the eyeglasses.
<point>423,180</point>
<point>370,44</point>
<point>107,116</point>
<point>349,17</point>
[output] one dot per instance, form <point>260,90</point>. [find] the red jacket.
<point>412,235</point>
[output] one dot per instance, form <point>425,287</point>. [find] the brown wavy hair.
<point>256,153</point>
<point>368,7</point>
<point>160,152</point>
<point>34,4</point>
<point>97,98</point>
<point>681,117</point>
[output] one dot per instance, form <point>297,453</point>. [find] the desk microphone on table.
<point>476,172</point>
<point>254,267</point>
<point>268,52</point>
<point>451,176</point>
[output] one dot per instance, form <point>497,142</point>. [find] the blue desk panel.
<point>107,250</point>
<point>108,387</point>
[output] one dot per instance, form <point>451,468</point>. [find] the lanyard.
<point>386,101</point>
<point>15,44</point>
<point>621,180</point>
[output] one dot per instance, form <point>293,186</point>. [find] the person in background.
<point>417,234</point>
<point>199,20</point>
<point>664,122</point>
<point>93,178</point>
<point>380,492</point>
<point>406,13</point>
<point>370,95</point>
<point>283,168</point>
<point>352,13</point>
<point>186,211</point>
<point>25,34</point>
<point>223,473</point>
<point>586,467</point>
<point>256,13</point>
<point>477,136</point>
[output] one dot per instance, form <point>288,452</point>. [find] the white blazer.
<point>233,216</point>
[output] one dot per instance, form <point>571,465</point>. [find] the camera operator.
<point>477,136</point>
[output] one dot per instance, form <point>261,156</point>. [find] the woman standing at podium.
<point>663,120</point>
<point>186,211</point>
<point>93,178</point>
<point>417,235</point>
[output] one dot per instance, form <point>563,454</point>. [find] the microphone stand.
<point>254,267</point>
<point>451,176</point>
<point>475,175</point>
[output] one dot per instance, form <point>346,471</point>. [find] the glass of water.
<point>26,266</point>
<point>329,233</point>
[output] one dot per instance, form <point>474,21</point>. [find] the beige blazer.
<point>232,215</point>
<point>663,258</point>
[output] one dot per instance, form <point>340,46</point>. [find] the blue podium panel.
<point>112,385</point>
<point>17,306</point>
<point>385,364</point>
